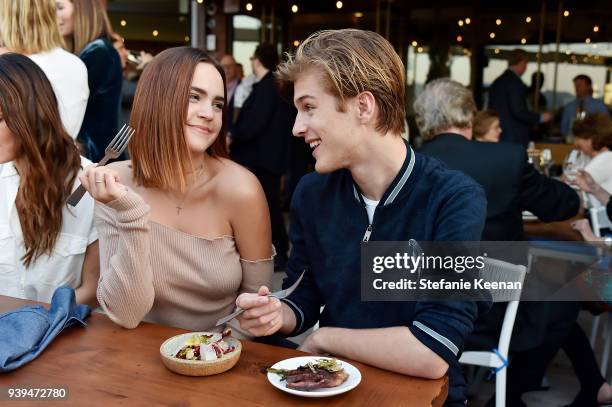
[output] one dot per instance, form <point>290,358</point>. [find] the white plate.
<point>351,382</point>
<point>529,217</point>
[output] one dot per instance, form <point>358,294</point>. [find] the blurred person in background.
<point>132,68</point>
<point>43,243</point>
<point>87,33</point>
<point>508,97</point>
<point>593,137</point>
<point>232,76</point>
<point>541,103</point>
<point>444,113</point>
<point>583,105</point>
<point>486,126</point>
<point>29,27</point>
<point>260,140</point>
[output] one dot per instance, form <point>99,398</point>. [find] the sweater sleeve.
<point>125,289</point>
<point>256,273</point>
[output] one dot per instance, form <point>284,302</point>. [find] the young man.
<point>348,86</point>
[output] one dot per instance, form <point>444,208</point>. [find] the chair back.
<point>599,220</point>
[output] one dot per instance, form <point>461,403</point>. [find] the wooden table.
<point>558,150</point>
<point>553,230</point>
<point>106,365</point>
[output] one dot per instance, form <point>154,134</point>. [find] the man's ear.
<point>366,107</point>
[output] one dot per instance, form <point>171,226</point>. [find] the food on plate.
<point>205,346</point>
<point>322,373</point>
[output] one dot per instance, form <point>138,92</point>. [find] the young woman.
<point>183,230</point>
<point>86,30</point>
<point>29,27</point>
<point>43,243</point>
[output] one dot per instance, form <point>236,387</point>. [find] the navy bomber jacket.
<point>425,202</point>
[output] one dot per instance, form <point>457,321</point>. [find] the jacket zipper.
<point>368,232</point>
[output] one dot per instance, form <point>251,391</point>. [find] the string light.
<point>420,49</point>
<point>414,43</point>
<point>294,8</point>
<point>155,33</point>
<point>296,43</point>
<point>527,19</point>
<point>187,38</point>
<point>596,29</point>
<point>460,23</point>
<point>459,38</point>
<point>200,1</point>
<point>498,21</point>
<point>566,13</point>
<point>567,52</point>
<point>588,40</point>
<point>358,14</point>
<point>249,7</point>
<point>339,5</point>
<point>492,35</point>
<point>523,40</point>
<point>123,23</point>
<point>496,50</point>
<point>468,20</point>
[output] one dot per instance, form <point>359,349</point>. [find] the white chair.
<point>495,270</point>
<point>599,221</point>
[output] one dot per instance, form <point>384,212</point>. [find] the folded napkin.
<point>27,331</point>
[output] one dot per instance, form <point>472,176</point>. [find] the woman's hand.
<point>585,182</point>
<point>263,315</point>
<point>102,183</point>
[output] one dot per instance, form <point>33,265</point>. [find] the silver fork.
<point>278,294</point>
<point>113,150</point>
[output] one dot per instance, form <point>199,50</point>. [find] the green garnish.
<point>277,371</point>
<point>331,365</point>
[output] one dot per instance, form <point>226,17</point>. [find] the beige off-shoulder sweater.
<point>151,272</point>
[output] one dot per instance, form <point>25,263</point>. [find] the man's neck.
<point>465,132</point>
<point>377,164</point>
<point>515,70</point>
<point>260,73</point>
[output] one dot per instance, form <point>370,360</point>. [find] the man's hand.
<point>314,344</point>
<point>263,315</point>
<point>546,117</point>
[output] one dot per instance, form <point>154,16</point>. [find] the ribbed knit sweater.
<point>149,271</point>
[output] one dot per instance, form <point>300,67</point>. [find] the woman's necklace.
<point>179,205</point>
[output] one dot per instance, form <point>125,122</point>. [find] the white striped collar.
<point>400,184</point>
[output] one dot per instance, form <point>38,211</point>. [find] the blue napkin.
<point>27,331</point>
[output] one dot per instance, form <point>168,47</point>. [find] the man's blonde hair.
<point>29,26</point>
<point>443,104</point>
<point>353,61</point>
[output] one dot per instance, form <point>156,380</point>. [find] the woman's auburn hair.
<point>158,148</point>
<point>29,26</point>
<point>47,158</point>
<point>596,127</point>
<point>482,122</point>
<point>90,22</point>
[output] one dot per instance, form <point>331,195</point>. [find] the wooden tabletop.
<point>552,230</point>
<point>104,364</point>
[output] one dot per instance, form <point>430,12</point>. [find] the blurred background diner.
<point>534,79</point>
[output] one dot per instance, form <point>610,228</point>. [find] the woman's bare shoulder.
<point>235,182</point>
